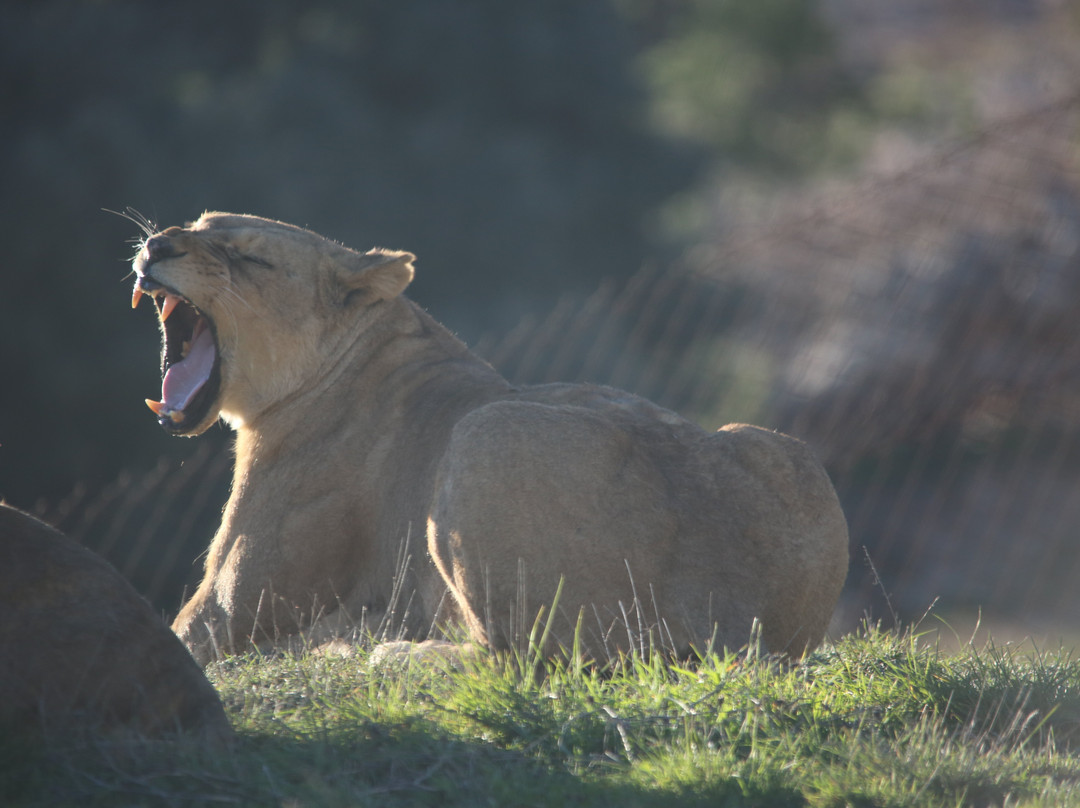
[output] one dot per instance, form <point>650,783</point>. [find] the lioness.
<point>367,434</point>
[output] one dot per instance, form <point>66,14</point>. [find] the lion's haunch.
<point>380,466</point>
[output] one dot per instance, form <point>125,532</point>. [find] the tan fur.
<point>364,426</point>
<point>81,651</point>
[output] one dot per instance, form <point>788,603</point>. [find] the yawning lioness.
<point>380,465</point>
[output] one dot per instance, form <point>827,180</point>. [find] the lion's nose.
<point>159,247</point>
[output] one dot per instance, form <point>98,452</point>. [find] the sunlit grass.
<point>873,720</point>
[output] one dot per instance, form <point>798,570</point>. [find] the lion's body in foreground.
<point>380,466</point>
<point>80,651</point>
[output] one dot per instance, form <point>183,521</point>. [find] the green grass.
<point>874,720</point>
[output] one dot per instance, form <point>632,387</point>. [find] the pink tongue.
<point>184,378</point>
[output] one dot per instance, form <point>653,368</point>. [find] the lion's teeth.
<point>136,296</point>
<point>167,306</point>
<point>159,408</point>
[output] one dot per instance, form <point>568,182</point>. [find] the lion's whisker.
<point>138,219</point>
<point>232,317</point>
<point>230,288</point>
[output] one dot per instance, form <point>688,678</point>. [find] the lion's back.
<point>791,528</point>
<point>620,497</point>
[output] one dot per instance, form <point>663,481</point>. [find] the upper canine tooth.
<point>168,306</point>
<point>136,296</point>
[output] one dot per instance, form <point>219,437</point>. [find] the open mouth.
<point>190,366</point>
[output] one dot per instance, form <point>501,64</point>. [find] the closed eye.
<point>236,259</point>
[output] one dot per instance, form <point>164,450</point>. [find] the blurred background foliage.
<point>523,151</point>
<point>760,85</point>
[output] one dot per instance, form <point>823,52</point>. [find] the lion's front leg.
<point>203,628</point>
<point>264,620</point>
<point>237,607</point>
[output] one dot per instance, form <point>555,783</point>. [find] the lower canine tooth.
<point>160,410</point>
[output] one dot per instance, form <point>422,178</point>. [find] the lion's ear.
<point>377,275</point>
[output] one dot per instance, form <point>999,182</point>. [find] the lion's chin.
<point>233,419</point>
